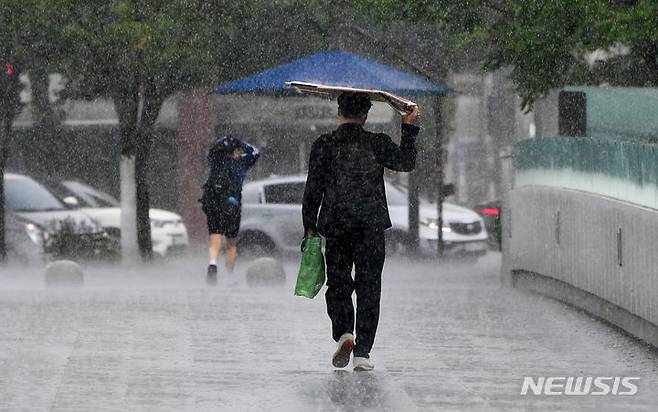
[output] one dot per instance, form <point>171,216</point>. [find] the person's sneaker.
<point>362,364</point>
<point>342,355</point>
<point>211,278</point>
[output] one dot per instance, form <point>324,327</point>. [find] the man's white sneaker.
<point>362,364</point>
<point>342,355</point>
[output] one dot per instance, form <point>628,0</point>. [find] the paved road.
<point>451,338</point>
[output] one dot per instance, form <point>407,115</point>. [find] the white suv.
<point>272,220</point>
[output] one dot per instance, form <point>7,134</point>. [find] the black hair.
<point>232,145</point>
<point>223,147</point>
<point>354,105</point>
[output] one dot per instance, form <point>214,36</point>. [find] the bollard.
<point>266,271</point>
<point>63,273</point>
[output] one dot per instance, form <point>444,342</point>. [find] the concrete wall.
<point>591,251</point>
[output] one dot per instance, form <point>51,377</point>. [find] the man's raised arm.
<point>400,158</point>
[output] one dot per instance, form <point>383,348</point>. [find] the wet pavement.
<point>450,338</point>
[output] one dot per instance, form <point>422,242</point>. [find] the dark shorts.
<point>221,217</point>
<point>223,224</point>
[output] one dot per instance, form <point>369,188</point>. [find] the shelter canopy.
<point>336,68</point>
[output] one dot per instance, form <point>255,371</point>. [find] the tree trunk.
<point>126,102</point>
<point>142,200</point>
<point>5,129</point>
<point>45,127</point>
<point>138,105</point>
<point>129,245</point>
<point>152,100</point>
<point>413,239</point>
<point>440,167</point>
<point>10,104</point>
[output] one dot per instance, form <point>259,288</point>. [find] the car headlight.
<point>434,225</point>
<point>35,233</point>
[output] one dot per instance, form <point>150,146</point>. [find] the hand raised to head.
<point>409,117</point>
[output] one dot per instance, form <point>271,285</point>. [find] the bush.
<point>68,239</point>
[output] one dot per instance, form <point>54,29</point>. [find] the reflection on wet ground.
<point>157,338</point>
<point>366,391</point>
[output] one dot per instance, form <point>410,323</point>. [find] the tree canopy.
<point>547,44</point>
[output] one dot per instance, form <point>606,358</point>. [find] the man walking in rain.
<point>229,159</point>
<point>345,184</point>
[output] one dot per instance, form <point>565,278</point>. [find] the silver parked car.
<point>272,222</point>
<point>34,211</point>
<point>23,240</point>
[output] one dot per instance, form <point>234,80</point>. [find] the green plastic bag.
<point>311,277</point>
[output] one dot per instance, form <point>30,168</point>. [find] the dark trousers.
<point>365,251</point>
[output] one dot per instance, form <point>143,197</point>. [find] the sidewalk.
<point>450,338</point>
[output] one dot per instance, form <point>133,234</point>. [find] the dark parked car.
<point>490,213</point>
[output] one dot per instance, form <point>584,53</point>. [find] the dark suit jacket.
<point>345,180</point>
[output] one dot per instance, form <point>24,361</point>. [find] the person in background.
<point>345,183</point>
<point>229,160</point>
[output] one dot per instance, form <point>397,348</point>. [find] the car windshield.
<point>24,194</point>
<point>89,196</point>
<point>285,193</point>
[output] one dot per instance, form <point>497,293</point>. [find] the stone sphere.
<point>266,271</point>
<point>64,273</point>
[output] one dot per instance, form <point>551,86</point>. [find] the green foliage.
<point>180,44</point>
<point>265,33</point>
<point>77,241</point>
<point>172,44</point>
<point>463,16</point>
<point>30,30</point>
<point>547,43</point>
<point>139,52</point>
<point>30,35</point>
